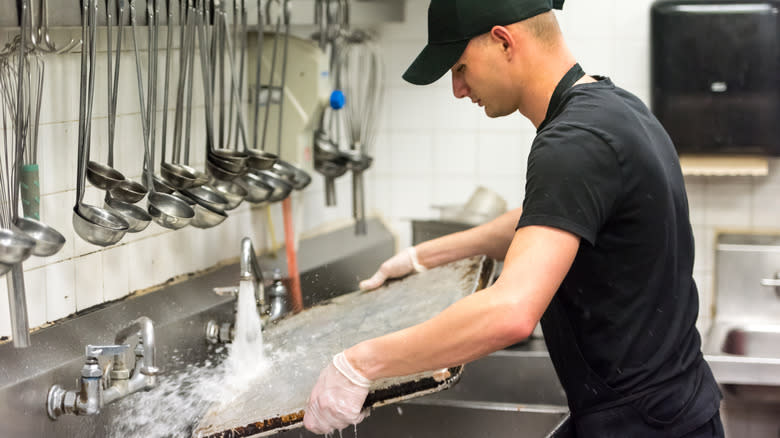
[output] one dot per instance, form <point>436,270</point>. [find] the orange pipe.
<point>292,256</point>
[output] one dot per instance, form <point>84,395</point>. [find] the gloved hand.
<point>405,262</point>
<point>337,398</point>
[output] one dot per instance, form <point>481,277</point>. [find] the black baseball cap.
<point>453,23</point>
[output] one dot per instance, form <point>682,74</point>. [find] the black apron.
<point>597,410</point>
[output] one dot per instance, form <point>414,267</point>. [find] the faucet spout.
<point>250,268</point>
<point>145,329</point>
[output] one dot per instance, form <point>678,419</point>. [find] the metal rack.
<point>67,13</point>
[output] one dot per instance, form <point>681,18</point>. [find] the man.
<point>601,252</point>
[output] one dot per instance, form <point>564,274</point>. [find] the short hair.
<point>543,27</point>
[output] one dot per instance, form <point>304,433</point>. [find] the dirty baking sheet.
<point>301,345</point>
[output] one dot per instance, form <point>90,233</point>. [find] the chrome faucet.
<point>271,305</point>
<point>98,387</point>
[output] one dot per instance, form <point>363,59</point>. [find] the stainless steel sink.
<point>519,377</point>
<point>745,359</point>
<point>753,341</point>
<point>509,393</point>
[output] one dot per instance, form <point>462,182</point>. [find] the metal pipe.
<point>145,329</point>
<point>20,328</point>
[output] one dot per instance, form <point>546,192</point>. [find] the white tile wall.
<point>82,275</point>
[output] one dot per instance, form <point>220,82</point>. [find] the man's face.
<point>481,75</point>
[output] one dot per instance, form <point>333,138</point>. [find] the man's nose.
<point>459,87</point>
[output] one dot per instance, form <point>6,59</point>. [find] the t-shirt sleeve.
<point>572,183</point>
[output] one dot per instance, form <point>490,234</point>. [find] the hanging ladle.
<point>175,174</point>
<point>259,159</point>
<point>137,218</point>
<point>296,177</point>
<point>127,190</point>
<point>167,210</point>
<point>104,176</point>
<point>93,224</point>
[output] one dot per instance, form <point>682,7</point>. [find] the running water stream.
<point>174,407</point>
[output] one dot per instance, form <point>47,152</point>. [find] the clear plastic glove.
<point>403,263</point>
<point>337,398</point>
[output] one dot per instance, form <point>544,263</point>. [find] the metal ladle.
<point>127,190</point>
<point>259,159</point>
<point>167,210</point>
<point>93,224</point>
<point>188,58</point>
<point>137,218</point>
<point>104,176</point>
<point>175,174</point>
<point>295,177</point>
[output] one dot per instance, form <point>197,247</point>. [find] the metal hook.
<point>42,32</point>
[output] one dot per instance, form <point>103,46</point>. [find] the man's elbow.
<point>516,325</point>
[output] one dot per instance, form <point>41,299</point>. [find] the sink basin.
<point>753,341</point>
<point>520,377</point>
<point>745,359</point>
<point>450,420</point>
<point>506,394</point>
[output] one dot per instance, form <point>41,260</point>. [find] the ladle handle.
<point>271,82</point>
<point>235,98</point>
<point>82,157</point>
<point>191,76</point>
<point>207,79</point>
<point>286,12</point>
<point>258,88</point>
<point>110,82</point>
<point>115,90</point>
<point>168,42</point>
<point>147,159</point>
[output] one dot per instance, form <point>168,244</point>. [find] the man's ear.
<point>503,36</point>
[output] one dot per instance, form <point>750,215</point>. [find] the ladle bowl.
<point>220,173</point>
<point>137,218</point>
<point>15,246</point>
<point>4,268</point>
<point>128,191</point>
<point>200,176</point>
<point>102,176</point>
<point>295,176</point>
<point>160,186</point>
<point>329,169</point>
<point>228,154</point>
<point>48,241</point>
<point>260,160</point>
<point>98,226</point>
<point>257,190</point>
<point>235,165</point>
<point>169,211</point>
<point>281,187</point>
<point>207,216</point>
<point>233,192</point>
<point>206,195</point>
<point>177,176</point>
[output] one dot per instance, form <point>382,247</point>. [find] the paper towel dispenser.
<point>715,75</point>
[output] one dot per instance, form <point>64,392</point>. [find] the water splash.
<point>175,406</point>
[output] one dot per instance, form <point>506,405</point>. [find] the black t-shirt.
<point>602,167</point>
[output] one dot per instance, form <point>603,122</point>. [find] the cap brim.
<point>433,62</point>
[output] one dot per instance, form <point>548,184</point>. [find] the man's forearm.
<point>471,328</point>
<point>492,239</point>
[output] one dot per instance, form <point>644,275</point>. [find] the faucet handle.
<point>93,351</point>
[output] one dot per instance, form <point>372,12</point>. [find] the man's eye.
<point>461,68</point>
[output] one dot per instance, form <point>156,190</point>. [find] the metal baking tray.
<point>303,344</point>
